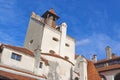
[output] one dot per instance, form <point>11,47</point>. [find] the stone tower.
<point>50,18</point>
<point>36,30</point>
<point>49,37</point>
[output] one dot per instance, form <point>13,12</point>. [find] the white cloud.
<point>95,44</point>
<point>82,42</point>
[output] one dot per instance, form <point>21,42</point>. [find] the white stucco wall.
<point>35,33</point>
<point>43,70</point>
<point>69,50</point>
<point>63,67</point>
<point>42,36</point>
<point>81,67</point>
<point>58,46</point>
<point>26,63</point>
<point>47,41</point>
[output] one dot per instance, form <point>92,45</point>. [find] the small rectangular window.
<point>55,39</point>
<point>67,45</point>
<point>41,64</point>
<point>16,56</point>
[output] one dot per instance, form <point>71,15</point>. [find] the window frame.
<point>16,57</point>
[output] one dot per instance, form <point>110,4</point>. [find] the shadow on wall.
<point>52,74</point>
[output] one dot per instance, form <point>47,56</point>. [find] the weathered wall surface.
<point>34,35</point>
<point>25,59</point>
<point>58,69</point>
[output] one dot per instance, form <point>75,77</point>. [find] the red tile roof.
<point>23,50</point>
<point>52,11</point>
<point>106,60</point>
<point>110,67</point>
<point>41,76</point>
<point>26,51</point>
<point>92,72</point>
<point>14,76</point>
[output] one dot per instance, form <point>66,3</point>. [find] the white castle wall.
<point>27,62</point>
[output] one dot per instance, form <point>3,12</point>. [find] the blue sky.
<point>94,24</point>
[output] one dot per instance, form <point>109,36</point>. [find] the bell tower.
<point>45,33</point>
<point>50,18</point>
<point>37,28</point>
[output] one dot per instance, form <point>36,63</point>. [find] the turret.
<point>50,18</point>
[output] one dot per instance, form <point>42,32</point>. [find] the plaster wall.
<point>47,41</point>
<point>26,63</point>
<point>69,50</point>
<point>81,67</point>
<point>59,69</point>
<point>34,35</point>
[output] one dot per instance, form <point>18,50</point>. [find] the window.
<point>67,45</point>
<point>16,56</point>
<point>41,64</point>
<point>55,39</point>
<point>31,41</point>
<point>66,57</point>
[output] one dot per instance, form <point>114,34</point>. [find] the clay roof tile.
<point>92,72</point>
<point>110,67</point>
<point>23,50</point>
<point>12,76</point>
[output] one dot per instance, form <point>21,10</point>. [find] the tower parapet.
<point>37,17</point>
<point>50,18</point>
<point>44,32</point>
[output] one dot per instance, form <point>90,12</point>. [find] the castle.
<point>48,54</point>
<point>109,68</point>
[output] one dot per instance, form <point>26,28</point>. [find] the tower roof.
<point>51,12</point>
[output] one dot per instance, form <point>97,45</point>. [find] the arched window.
<point>117,77</point>
<point>76,78</point>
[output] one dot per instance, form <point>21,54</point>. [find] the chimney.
<point>94,58</point>
<point>108,53</point>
